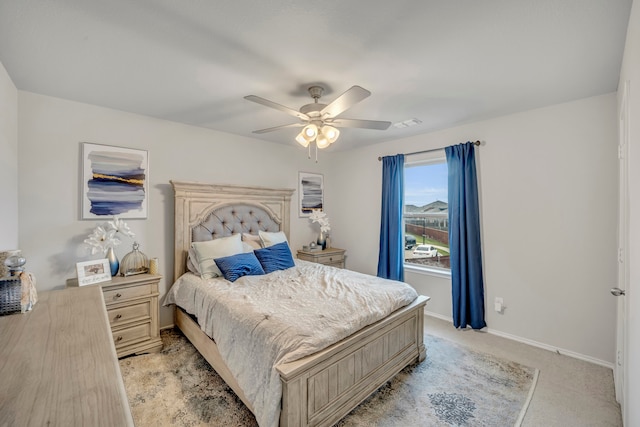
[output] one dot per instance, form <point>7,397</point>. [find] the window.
<point>426,215</point>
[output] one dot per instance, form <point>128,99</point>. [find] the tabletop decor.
<point>322,220</point>
<point>94,271</point>
<point>105,236</point>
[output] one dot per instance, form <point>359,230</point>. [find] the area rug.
<point>454,386</point>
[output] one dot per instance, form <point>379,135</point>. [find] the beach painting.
<point>310,193</point>
<point>114,181</point>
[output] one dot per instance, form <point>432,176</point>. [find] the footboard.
<point>320,389</point>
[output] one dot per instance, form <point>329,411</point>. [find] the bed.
<point>318,389</point>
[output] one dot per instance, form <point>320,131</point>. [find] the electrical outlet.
<point>498,304</point>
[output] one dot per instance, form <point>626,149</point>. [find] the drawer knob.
<point>118,295</point>
<point>119,338</point>
<point>119,316</point>
<point>330,258</point>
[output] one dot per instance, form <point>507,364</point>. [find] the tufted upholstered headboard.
<point>208,211</point>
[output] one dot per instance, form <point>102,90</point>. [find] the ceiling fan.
<point>319,121</point>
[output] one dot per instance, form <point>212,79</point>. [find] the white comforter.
<point>259,322</point>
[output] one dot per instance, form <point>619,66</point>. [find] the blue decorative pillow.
<point>235,266</point>
<point>276,257</point>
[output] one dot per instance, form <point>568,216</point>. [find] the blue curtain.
<point>464,238</point>
<point>391,255</point>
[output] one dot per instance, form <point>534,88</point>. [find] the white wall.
<point>548,194</point>
<point>8,161</point>
<point>51,130</point>
<point>631,72</point>
<point>548,180</point>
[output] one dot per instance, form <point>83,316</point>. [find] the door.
<point>623,247</point>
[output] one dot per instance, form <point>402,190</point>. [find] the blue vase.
<point>322,240</point>
<point>113,261</point>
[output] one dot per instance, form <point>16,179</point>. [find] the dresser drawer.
<point>116,295</point>
<point>120,315</point>
<point>132,334</point>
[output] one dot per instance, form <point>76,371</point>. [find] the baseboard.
<point>438,316</point>
<point>167,327</point>
<point>533,343</point>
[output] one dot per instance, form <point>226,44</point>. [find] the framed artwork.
<point>114,182</point>
<point>94,271</point>
<point>310,193</point>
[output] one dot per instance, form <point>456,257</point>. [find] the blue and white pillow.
<point>275,257</point>
<point>235,266</point>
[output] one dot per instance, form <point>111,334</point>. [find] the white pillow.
<point>207,251</point>
<point>252,239</point>
<point>270,239</point>
<point>192,262</point>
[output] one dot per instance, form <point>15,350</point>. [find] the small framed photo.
<point>94,271</point>
<point>310,193</point>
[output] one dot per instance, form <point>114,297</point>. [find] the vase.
<point>322,240</point>
<point>113,261</point>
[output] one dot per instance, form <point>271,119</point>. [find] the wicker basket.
<point>10,295</point>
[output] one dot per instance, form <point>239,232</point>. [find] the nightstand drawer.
<point>330,259</point>
<point>120,315</point>
<point>116,295</point>
<point>332,256</point>
<point>132,334</point>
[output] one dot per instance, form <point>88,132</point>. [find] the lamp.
<point>302,140</point>
<point>322,141</point>
<point>325,137</point>
<point>330,132</point>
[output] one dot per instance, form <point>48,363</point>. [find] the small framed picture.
<point>94,271</point>
<point>310,193</point>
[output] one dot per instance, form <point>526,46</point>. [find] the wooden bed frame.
<point>320,389</point>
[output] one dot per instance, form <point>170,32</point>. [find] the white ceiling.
<point>444,62</point>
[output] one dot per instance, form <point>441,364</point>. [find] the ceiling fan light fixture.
<point>322,141</point>
<point>330,133</point>
<point>300,139</point>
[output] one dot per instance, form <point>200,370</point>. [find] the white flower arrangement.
<point>321,218</point>
<point>107,235</point>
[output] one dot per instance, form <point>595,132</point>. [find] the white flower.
<point>321,218</point>
<point>105,236</point>
<point>120,227</point>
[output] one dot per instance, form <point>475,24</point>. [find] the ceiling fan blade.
<point>352,96</point>
<point>366,124</point>
<point>277,106</point>
<point>292,125</point>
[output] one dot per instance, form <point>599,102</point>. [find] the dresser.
<point>59,366</point>
<point>331,256</point>
<point>133,312</point>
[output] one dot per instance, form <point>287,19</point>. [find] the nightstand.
<point>132,309</point>
<point>331,256</point>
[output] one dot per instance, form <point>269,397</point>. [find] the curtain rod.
<point>476,143</point>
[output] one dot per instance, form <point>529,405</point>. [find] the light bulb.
<point>302,140</point>
<point>310,132</point>
<point>322,141</point>
<point>331,133</point>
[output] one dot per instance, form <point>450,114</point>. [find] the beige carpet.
<point>455,386</point>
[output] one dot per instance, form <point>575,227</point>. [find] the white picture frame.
<point>94,271</point>
<point>310,193</point>
<point>115,182</point>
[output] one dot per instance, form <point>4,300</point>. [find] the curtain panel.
<point>464,238</point>
<point>391,254</point>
